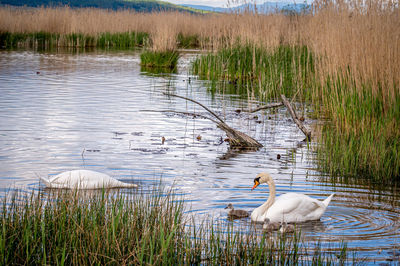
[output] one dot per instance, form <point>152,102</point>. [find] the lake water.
<point>97,110</point>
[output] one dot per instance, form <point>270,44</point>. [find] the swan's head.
<point>261,178</point>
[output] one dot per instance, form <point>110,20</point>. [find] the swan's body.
<point>235,214</point>
<point>289,208</point>
<point>84,179</point>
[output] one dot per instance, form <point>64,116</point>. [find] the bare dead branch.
<point>295,118</point>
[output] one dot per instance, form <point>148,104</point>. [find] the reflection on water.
<point>64,111</point>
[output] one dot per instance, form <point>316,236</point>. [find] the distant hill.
<point>207,8</point>
<point>265,8</point>
<point>138,5</point>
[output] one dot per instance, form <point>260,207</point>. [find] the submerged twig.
<point>292,112</point>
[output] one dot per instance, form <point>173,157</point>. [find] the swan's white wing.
<point>293,207</point>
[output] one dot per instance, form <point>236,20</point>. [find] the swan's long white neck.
<point>271,198</point>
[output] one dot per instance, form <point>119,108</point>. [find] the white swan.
<point>289,208</point>
<point>84,179</point>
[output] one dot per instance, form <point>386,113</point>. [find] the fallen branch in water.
<point>295,118</point>
<point>236,138</point>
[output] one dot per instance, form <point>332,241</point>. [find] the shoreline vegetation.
<point>67,227</point>
<point>340,58</point>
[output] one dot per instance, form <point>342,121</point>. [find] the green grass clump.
<point>44,40</point>
<point>267,73</point>
<point>67,227</point>
<point>122,40</point>
<point>363,138</point>
<point>159,59</point>
<point>34,40</point>
<point>188,41</point>
<point>78,40</point>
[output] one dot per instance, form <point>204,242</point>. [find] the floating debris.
<point>93,150</point>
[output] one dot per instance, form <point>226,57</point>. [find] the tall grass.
<point>363,138</point>
<point>58,228</point>
<point>268,73</point>
<point>45,40</point>
<point>159,59</point>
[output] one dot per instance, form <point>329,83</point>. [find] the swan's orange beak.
<point>256,183</point>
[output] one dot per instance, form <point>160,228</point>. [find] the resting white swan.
<point>84,179</point>
<point>289,208</point>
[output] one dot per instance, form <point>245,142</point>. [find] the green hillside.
<point>138,5</point>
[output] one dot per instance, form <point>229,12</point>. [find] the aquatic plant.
<point>78,228</point>
<point>157,59</point>
<point>44,40</point>
<point>122,39</point>
<point>362,141</point>
<point>188,41</point>
<point>268,73</point>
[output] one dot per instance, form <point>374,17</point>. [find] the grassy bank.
<point>59,228</point>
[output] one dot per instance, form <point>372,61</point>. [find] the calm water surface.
<point>99,111</point>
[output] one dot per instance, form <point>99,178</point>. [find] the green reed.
<point>46,40</point>
<point>188,41</point>
<point>123,39</point>
<point>159,59</point>
<point>363,138</point>
<point>284,70</point>
<point>75,228</point>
